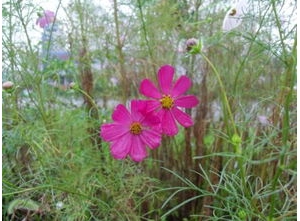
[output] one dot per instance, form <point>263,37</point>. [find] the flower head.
<point>234,16</point>
<point>131,131</point>
<point>45,19</point>
<point>168,99</point>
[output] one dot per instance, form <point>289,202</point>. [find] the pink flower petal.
<point>169,126</point>
<point>151,138</point>
<point>181,86</point>
<point>138,109</point>
<point>121,147</point>
<point>113,131</point>
<point>138,150</point>
<point>48,13</point>
<point>121,114</point>
<point>148,89</point>
<point>165,77</point>
<point>42,22</point>
<point>151,119</point>
<point>47,18</point>
<point>184,119</point>
<point>187,101</point>
<point>153,105</point>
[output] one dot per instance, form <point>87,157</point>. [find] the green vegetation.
<point>238,161</point>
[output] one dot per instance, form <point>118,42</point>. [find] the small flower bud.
<point>242,214</point>
<point>8,86</point>
<point>190,43</point>
<point>236,139</point>
<point>193,46</point>
<point>73,85</point>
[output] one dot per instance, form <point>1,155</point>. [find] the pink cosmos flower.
<point>169,98</point>
<point>46,19</point>
<point>131,132</point>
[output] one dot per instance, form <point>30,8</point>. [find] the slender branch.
<point>125,85</point>
<point>146,34</point>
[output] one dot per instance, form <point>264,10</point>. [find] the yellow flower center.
<point>166,101</point>
<point>135,128</point>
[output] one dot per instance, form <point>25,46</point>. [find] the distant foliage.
<point>224,70</point>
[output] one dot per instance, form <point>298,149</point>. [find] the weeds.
<point>238,160</point>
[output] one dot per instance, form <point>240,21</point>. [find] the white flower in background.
<point>59,205</point>
<point>235,15</point>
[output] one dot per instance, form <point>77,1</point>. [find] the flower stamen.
<point>135,128</point>
<point>167,101</point>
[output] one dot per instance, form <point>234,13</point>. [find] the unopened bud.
<point>236,139</point>
<point>73,85</point>
<point>193,46</point>
<point>190,43</point>
<point>7,85</point>
<point>242,214</point>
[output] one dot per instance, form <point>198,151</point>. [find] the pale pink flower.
<point>46,19</point>
<point>263,120</point>
<point>169,98</point>
<point>132,131</point>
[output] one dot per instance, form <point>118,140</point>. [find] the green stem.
<point>40,107</point>
<point>252,41</point>
<point>51,32</point>
<point>286,92</point>
<point>91,100</point>
<point>280,31</point>
<point>227,111</point>
<point>146,34</point>
<point>119,48</point>
<point>225,102</point>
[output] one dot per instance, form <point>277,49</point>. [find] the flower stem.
<point>224,96</point>
<point>233,133</point>
<point>146,34</point>
<point>91,100</point>
<point>285,99</point>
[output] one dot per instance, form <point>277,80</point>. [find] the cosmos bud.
<point>190,43</point>
<point>73,85</point>
<point>8,86</point>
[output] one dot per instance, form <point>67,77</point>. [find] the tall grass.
<point>238,161</point>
